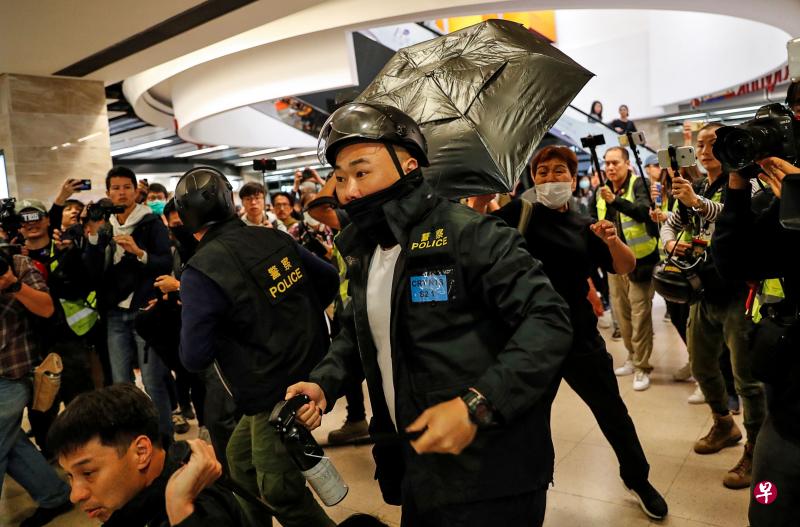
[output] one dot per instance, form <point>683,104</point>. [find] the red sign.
<point>765,492</point>
<point>766,83</point>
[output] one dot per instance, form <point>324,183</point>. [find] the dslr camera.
<point>10,221</point>
<point>102,210</point>
<point>773,131</point>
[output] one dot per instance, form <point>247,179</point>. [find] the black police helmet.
<point>358,122</point>
<point>204,197</point>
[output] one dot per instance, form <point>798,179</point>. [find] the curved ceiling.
<point>309,50</point>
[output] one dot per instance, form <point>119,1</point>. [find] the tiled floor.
<point>587,489</point>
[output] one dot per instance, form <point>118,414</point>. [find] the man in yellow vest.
<point>624,201</point>
<point>62,270</point>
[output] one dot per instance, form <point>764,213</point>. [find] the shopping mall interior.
<point>249,88</point>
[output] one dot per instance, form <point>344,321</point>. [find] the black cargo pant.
<point>591,375</point>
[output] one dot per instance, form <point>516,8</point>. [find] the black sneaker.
<point>617,335</point>
<point>44,516</point>
<point>649,500</point>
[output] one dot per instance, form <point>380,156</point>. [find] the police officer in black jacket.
<point>458,330</point>
<point>253,304</point>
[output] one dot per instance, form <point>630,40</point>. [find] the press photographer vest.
<point>81,314</point>
<point>275,331</point>
<point>770,292</point>
<point>636,235</point>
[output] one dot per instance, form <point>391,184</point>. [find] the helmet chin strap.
<point>395,159</point>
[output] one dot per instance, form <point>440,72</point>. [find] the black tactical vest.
<point>275,331</point>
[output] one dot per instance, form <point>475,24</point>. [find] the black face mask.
<point>186,242</point>
<point>367,213</point>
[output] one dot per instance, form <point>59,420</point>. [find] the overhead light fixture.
<point>202,151</point>
<point>265,151</point>
<point>65,145</point>
<point>143,146</point>
<point>293,156</point>
<point>90,136</point>
<point>681,117</point>
<point>735,110</point>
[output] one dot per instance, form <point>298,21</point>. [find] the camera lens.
<point>735,147</point>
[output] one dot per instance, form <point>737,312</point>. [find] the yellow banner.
<point>543,22</point>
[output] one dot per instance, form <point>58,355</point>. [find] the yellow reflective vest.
<point>81,315</point>
<point>635,233</point>
<point>771,292</point>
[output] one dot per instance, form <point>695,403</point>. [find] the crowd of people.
<point>462,317</point>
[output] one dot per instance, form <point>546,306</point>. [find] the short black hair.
<point>115,415</point>
<point>169,208</point>
<point>120,171</point>
<point>624,151</point>
<point>74,203</point>
<point>285,194</point>
<point>157,187</point>
<point>251,188</point>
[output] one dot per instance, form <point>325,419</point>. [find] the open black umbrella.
<point>484,97</point>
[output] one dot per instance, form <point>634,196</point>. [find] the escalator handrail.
<point>594,119</point>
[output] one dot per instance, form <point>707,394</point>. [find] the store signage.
<point>766,83</point>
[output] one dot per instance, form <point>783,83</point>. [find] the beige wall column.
<point>51,129</point>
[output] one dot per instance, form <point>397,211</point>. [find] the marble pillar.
<point>52,129</point>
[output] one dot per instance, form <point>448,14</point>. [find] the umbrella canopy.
<point>484,97</point>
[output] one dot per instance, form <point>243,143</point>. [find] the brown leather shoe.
<point>723,433</point>
<point>739,476</point>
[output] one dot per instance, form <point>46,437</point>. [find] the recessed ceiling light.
<point>143,146</point>
<point>202,151</point>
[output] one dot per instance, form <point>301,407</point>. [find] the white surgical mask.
<point>554,195</point>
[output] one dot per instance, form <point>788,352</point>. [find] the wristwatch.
<point>480,411</point>
<point>701,205</point>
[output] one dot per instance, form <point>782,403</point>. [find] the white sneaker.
<point>604,322</point>
<point>641,381</point>
<point>625,369</point>
<point>697,397</point>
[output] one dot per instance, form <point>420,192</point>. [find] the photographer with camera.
<point>108,443</point>
<point>24,299</point>
<point>65,333</point>
<point>717,319</point>
<point>754,245</point>
<point>253,305</point>
<point>128,249</point>
<point>624,201</point>
<point>65,211</point>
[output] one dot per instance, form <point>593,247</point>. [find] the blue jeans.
<point>18,457</point>
<point>123,345</point>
